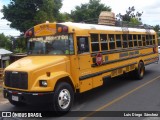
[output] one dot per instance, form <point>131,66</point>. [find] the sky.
<point>150,8</point>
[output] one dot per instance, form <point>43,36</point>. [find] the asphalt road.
<point>119,94</point>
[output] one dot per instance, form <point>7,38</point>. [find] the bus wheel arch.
<point>66,79</point>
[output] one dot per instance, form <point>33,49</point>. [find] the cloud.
<point>69,5</point>
<point>4,27</point>
<point>149,7</point>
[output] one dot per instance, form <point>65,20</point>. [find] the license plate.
<point>15,98</point>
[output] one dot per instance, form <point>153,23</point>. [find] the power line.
<point>30,3</point>
<point>27,3</point>
<point>6,29</point>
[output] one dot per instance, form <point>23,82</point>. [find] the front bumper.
<point>28,97</point>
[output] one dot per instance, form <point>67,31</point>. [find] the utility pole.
<point>13,44</point>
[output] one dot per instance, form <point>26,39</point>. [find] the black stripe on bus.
<point>121,50</point>
<point>102,72</point>
<point>156,59</point>
<point>151,63</point>
<point>147,54</point>
<point>118,60</point>
<point>150,58</point>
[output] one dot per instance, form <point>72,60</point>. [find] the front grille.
<point>16,79</point>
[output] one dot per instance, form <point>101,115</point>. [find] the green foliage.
<point>156,28</point>
<point>24,14</point>
<point>130,16</point>
<point>20,45</point>
<point>135,21</point>
<point>89,11</point>
<point>158,34</point>
<point>64,17</point>
<point>5,42</point>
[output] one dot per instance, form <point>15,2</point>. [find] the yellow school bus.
<point>68,58</point>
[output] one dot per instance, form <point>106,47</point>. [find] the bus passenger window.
<point>144,40</point>
<point>118,41</point>
<point>150,40</point>
<point>83,44</point>
<point>147,40</point>
<point>139,40</point>
<point>130,40</point>
<point>125,41</point>
<point>153,39</point>
<point>104,42</point>
<point>94,42</point>
<point>135,40</point>
<point>111,41</point>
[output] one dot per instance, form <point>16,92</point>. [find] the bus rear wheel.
<point>63,98</point>
<point>139,72</point>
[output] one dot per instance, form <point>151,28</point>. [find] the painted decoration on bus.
<point>49,38</point>
<point>99,59</point>
<point>45,29</point>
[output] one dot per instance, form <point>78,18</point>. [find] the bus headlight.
<point>43,83</point>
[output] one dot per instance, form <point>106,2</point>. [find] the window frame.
<point>111,42</point>
<point>119,41</point>
<point>95,42</point>
<point>104,42</point>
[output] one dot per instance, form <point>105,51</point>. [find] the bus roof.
<point>104,27</point>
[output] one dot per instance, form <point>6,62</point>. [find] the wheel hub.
<point>64,99</point>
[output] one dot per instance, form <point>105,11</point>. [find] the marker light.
<point>65,29</point>
<point>30,33</point>
<point>48,74</point>
<point>47,21</point>
<point>155,49</point>
<point>59,29</point>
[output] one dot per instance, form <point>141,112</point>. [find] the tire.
<point>17,104</point>
<point>139,72</point>
<point>63,98</point>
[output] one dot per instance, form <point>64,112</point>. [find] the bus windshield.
<point>56,45</point>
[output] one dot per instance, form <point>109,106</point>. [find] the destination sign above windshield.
<point>50,38</point>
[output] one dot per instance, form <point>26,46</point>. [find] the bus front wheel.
<point>139,72</point>
<point>63,98</point>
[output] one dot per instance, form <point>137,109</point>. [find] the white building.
<point>4,56</point>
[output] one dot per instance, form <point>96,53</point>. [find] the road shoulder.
<point>2,100</point>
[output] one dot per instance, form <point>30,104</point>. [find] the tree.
<point>5,42</point>
<point>64,17</point>
<point>88,12</point>
<point>130,16</point>
<point>156,28</point>
<point>24,14</point>
<point>20,45</point>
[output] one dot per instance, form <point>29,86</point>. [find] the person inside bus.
<point>83,45</point>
